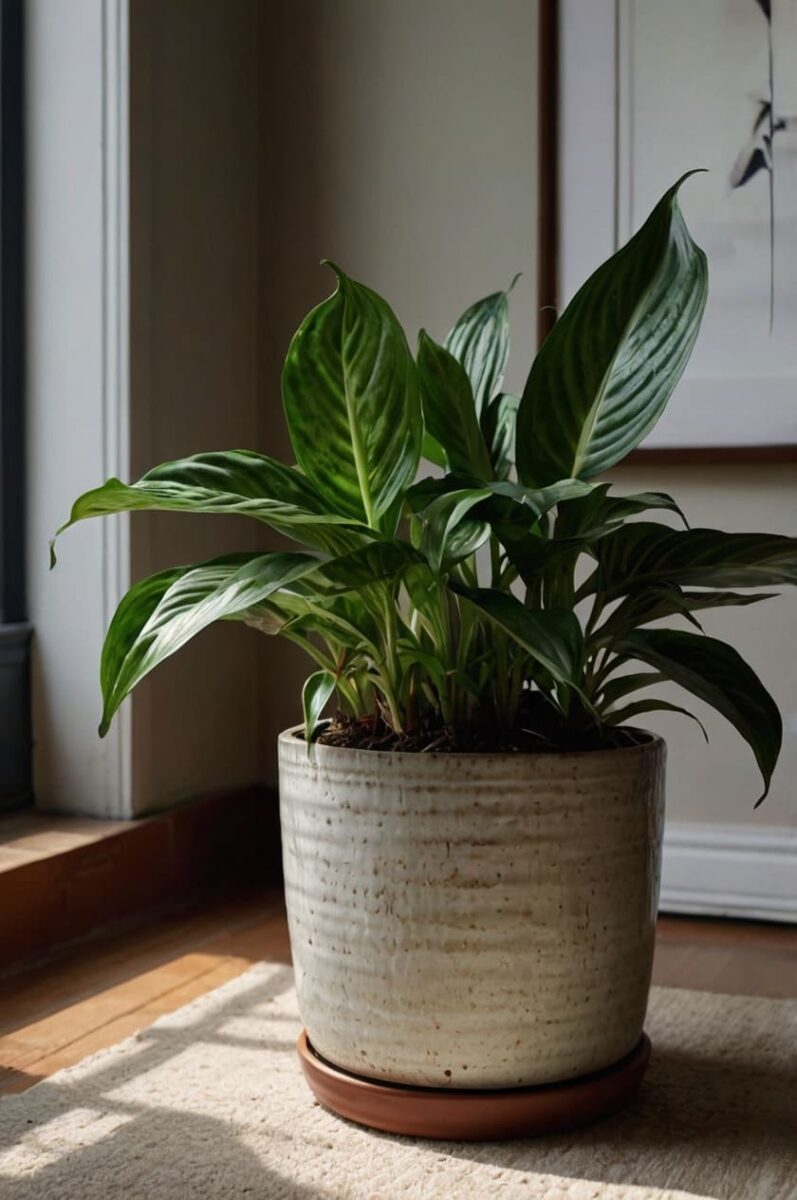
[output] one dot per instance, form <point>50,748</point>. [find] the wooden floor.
<point>58,1012</point>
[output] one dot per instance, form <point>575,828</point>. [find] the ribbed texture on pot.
<point>472,920</point>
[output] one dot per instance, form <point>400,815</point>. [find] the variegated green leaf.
<point>606,370</point>
<point>237,482</point>
<point>499,422</point>
<point>162,613</point>
<point>718,675</point>
<point>350,392</point>
<point>448,409</point>
<point>480,341</point>
<point>551,637</point>
<point>315,696</point>
<point>644,554</point>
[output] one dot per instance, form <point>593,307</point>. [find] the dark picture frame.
<point>548,243</point>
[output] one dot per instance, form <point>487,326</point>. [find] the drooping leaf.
<point>448,409</point>
<point>350,393</point>
<point>552,637</point>
<point>162,613</point>
<point>480,341</point>
<point>644,554</point>
<point>498,422</point>
<point>239,482</point>
<point>608,367</point>
<point>315,695</point>
<point>622,716</point>
<point>717,674</point>
<point>616,688</point>
<point>656,602</point>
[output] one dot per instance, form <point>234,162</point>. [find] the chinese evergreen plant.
<point>454,610</point>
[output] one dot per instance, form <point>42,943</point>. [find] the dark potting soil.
<point>371,733</point>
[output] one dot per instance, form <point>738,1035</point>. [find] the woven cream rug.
<point>209,1103</point>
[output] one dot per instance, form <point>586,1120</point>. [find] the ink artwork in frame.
<point>646,91</point>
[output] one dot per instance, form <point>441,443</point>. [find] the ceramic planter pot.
<point>472,920</point>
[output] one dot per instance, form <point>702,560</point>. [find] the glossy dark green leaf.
<point>526,503</point>
<point>237,482</point>
<point>373,563</point>
<point>717,674</point>
<point>162,613</point>
<point>315,696</point>
<point>608,367</point>
<point>654,603</point>
<point>498,422</point>
<point>448,409</point>
<point>622,716</point>
<point>480,341</point>
<point>642,554</point>
<point>350,392</point>
<point>432,451</point>
<point>619,686</point>
<point>550,637</point>
<point>597,513</point>
<point>447,534</point>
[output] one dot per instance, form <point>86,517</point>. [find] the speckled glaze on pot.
<point>472,920</point>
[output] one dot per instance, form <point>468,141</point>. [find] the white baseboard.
<point>730,871</point>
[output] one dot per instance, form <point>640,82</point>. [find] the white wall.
<point>76,81</point>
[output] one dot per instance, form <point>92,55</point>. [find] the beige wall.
<point>194,369</point>
<point>396,137</point>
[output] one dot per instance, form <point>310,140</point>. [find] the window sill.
<point>64,879</point>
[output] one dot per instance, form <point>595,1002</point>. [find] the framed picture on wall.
<point>646,91</point>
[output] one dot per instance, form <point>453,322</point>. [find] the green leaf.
<point>350,393</point>
<point>623,715</point>
<point>608,367</point>
<point>315,695</point>
<point>239,482</point>
<point>448,409</point>
<point>642,554</point>
<point>447,535</point>
<point>552,637</point>
<point>615,689</point>
<point>718,675</point>
<point>358,570</point>
<point>597,513</point>
<point>162,613</point>
<point>527,504</point>
<point>480,341</point>
<point>433,452</point>
<point>667,600</point>
<point>499,422</point>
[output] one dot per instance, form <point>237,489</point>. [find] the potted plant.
<point>472,845</point>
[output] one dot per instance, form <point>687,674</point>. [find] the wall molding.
<point>77,403</point>
<point>730,871</point>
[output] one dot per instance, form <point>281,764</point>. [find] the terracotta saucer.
<point>473,1115</point>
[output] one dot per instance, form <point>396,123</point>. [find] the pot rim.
<point>652,744</point>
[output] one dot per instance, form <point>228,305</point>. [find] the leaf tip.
<point>515,278</point>
<point>333,266</point>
